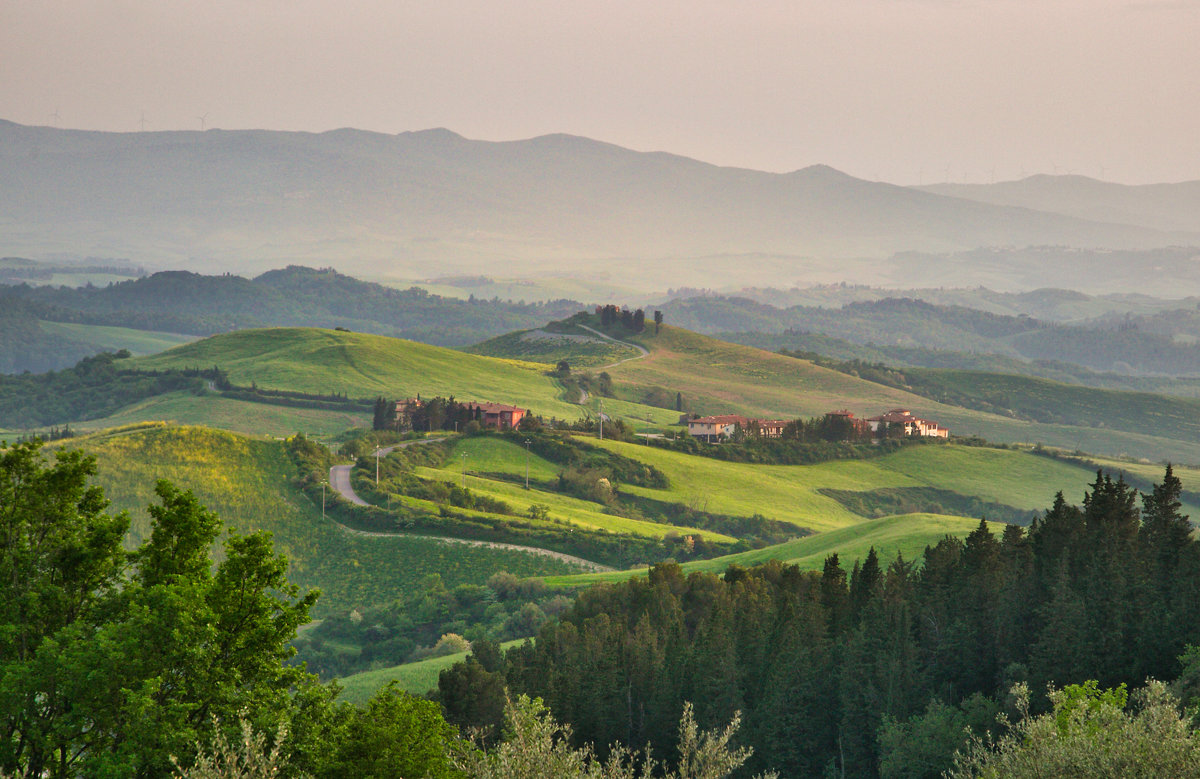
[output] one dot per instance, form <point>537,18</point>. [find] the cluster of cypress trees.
<point>818,662</point>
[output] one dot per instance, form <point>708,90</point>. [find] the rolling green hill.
<point>239,416</point>
<point>791,493</point>
<point>559,341</point>
<point>248,482</point>
<point>363,365</point>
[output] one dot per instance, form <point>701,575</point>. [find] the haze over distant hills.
<point>430,203</point>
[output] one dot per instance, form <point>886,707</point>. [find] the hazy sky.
<point>898,90</point>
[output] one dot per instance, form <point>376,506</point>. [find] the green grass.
<point>417,678</point>
<point>248,482</point>
<point>493,455</point>
<point>116,338</point>
<point>906,535</point>
<point>363,365</point>
<point>239,416</point>
<point>789,493</point>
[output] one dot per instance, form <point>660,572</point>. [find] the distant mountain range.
<point>429,203</point>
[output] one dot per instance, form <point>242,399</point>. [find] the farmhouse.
<point>724,426</point>
<point>497,415</point>
<point>404,412</point>
<point>903,418</point>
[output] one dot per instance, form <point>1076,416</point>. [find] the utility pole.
<point>601,419</point>
<point>376,467</point>
<point>462,475</point>
<point>322,501</point>
<point>527,442</point>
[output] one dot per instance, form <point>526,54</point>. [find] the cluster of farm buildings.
<point>725,426</point>
<point>711,429</point>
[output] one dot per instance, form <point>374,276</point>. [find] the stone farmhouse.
<point>912,425</point>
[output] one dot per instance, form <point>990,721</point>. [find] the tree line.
<point>827,665</point>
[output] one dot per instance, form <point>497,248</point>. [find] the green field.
<point>487,455</point>
<point>790,492</point>
<point>239,416</point>
<point>248,482</point>
<point>417,678</point>
<point>719,377</point>
<point>906,535</point>
<point>112,339</point>
<point>363,365</point>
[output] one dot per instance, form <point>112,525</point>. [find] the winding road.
<point>339,480</point>
<point>642,352</point>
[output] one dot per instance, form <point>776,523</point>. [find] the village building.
<point>497,415</point>
<point>911,425</point>
<point>725,426</point>
<point>405,409</point>
<point>847,421</point>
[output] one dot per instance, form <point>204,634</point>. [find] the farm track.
<point>642,352</point>
<point>339,479</point>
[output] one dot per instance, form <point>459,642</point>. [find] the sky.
<point>906,91</point>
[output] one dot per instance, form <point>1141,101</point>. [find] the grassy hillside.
<point>906,535</point>
<point>248,482</point>
<point>719,377</point>
<point>486,457</point>
<point>790,493</point>
<point>363,365</point>
<point>239,416</point>
<point>551,344</point>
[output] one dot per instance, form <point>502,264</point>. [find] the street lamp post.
<point>527,442</point>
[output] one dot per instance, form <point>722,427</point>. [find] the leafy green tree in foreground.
<point>112,662</point>
<point>1091,735</point>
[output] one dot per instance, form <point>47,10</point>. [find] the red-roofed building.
<point>497,415</point>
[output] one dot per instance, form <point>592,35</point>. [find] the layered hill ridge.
<point>223,199</point>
